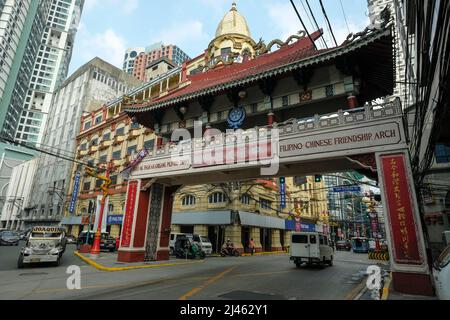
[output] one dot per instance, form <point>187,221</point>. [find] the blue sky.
<point>109,27</point>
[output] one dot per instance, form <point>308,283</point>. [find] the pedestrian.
<point>251,245</point>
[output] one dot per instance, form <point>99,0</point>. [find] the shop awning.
<point>256,220</point>
<point>209,218</point>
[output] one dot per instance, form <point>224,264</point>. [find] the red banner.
<point>400,208</point>
<point>129,213</point>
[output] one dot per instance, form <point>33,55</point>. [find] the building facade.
<point>154,53</point>
<point>19,190</point>
<point>20,43</point>
<point>77,99</point>
<point>422,30</point>
<point>50,68</point>
<point>246,210</point>
<point>130,57</point>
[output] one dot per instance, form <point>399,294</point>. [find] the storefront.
<point>114,225</point>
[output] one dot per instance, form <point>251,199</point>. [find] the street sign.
<point>355,189</point>
<point>283,192</point>
<point>76,189</point>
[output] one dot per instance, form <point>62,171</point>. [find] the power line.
<point>315,21</point>
<point>26,146</point>
<point>345,16</point>
<point>303,24</point>
<point>328,21</point>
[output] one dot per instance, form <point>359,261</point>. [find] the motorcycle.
<point>230,252</point>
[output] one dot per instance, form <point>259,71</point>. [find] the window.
<point>87,125</point>
<point>265,204</point>
<point>245,199</point>
<point>312,239</point>
<point>98,120</point>
<point>120,131</point>
<point>114,180</point>
<point>111,209</point>
<point>132,150</point>
<point>299,239</point>
<point>135,126</point>
<point>217,197</point>
<point>94,142</point>
<point>442,154</point>
<point>188,201</point>
<point>149,145</point>
<point>107,136</point>
<point>87,186</point>
<point>99,183</point>
<point>117,155</point>
<point>103,159</point>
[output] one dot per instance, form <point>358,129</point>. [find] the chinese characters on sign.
<point>406,250</point>
<point>76,188</point>
<point>129,214</point>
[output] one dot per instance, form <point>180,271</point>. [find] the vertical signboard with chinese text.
<point>76,189</point>
<point>400,206</point>
<point>130,207</point>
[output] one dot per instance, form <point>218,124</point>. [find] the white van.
<point>311,247</point>
<point>204,243</point>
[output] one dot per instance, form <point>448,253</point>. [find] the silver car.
<point>44,245</point>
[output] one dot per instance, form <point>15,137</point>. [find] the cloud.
<point>184,34</point>
<point>107,45</point>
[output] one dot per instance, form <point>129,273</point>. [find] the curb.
<point>358,291</point>
<point>264,253</point>
<point>106,269</point>
<point>386,289</point>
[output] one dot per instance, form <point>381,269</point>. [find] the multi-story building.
<point>154,53</point>
<point>422,28</point>
<point>246,210</point>
<point>130,56</point>
<point>77,99</point>
<point>19,190</point>
<point>376,8</point>
<point>19,47</point>
<point>50,68</point>
<point>22,24</point>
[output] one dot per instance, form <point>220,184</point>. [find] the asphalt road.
<point>247,278</point>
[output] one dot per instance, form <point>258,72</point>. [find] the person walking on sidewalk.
<point>251,245</point>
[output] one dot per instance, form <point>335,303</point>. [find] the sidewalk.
<point>108,262</point>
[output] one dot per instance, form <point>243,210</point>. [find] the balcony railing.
<point>105,144</point>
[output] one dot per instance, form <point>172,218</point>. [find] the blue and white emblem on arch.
<point>236,117</point>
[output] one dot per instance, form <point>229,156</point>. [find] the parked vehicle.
<point>360,245</point>
<point>231,252</point>
<point>44,245</point>
<point>203,241</point>
<point>24,235</point>
<point>9,238</point>
<point>344,245</point>
<point>311,248</point>
<point>107,243</point>
<point>441,271</point>
<point>186,248</point>
<point>71,239</point>
<point>173,240</point>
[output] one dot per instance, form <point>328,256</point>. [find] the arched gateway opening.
<point>302,112</point>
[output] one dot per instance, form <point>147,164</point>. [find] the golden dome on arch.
<point>233,23</point>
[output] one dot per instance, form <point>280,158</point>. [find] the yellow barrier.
<point>381,256</point>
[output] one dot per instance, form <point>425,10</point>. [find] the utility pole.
<point>95,251</point>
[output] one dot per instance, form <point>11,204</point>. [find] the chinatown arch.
<point>319,102</point>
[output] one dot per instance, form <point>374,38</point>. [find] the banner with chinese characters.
<point>129,213</point>
<point>400,209</point>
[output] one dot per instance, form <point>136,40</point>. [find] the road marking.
<point>154,266</point>
<point>357,290</point>
<point>207,283</point>
<point>261,274</point>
